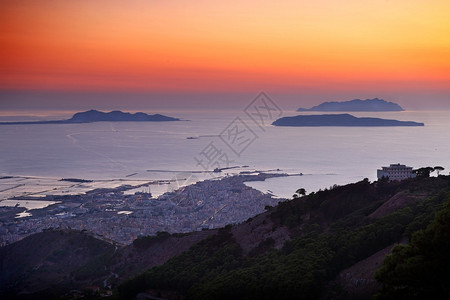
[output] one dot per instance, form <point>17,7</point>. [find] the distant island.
<point>340,120</point>
<point>75,180</point>
<point>374,104</point>
<point>91,116</point>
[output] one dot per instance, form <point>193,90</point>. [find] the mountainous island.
<point>331,244</point>
<point>91,116</point>
<point>374,104</point>
<point>344,120</point>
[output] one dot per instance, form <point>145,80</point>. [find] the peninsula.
<point>374,104</point>
<point>346,120</point>
<point>91,116</point>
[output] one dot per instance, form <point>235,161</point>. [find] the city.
<point>119,218</point>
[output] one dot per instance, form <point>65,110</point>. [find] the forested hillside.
<point>324,234</point>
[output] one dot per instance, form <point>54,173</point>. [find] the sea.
<point>160,156</point>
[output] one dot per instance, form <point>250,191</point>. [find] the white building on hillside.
<point>396,172</point>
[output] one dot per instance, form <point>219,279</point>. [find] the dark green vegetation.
<point>420,269</point>
<point>50,264</point>
<point>72,263</point>
<point>145,242</point>
<point>426,171</point>
<point>326,233</point>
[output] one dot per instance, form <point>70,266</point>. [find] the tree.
<point>384,180</point>
<point>301,191</point>
<point>423,172</point>
<point>438,169</point>
<point>419,270</point>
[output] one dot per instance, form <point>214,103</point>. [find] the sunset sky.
<point>302,52</point>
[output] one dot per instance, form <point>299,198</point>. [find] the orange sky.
<point>212,46</point>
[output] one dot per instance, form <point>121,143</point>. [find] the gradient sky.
<point>303,52</point>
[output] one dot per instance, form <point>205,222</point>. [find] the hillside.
<point>374,104</point>
<point>54,262</point>
<point>46,263</point>
<point>301,247</point>
<point>325,245</point>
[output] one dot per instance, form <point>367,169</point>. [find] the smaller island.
<point>374,104</point>
<point>77,180</point>
<point>342,120</point>
<point>92,115</point>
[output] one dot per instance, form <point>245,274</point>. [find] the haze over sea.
<point>128,150</point>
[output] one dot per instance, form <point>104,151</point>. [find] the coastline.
<point>120,217</point>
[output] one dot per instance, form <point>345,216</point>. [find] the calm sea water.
<point>126,151</point>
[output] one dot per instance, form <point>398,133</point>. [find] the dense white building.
<point>396,172</point>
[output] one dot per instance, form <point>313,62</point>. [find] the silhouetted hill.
<point>91,116</point>
<point>345,120</point>
<point>117,116</point>
<point>54,262</point>
<point>300,247</point>
<point>326,244</point>
<point>374,104</point>
<point>47,263</point>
